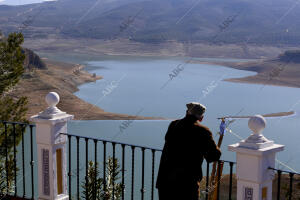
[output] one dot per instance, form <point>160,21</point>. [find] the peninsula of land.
<point>62,78</point>
<point>281,71</point>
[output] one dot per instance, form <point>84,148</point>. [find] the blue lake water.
<point>139,85</point>
<point>133,85</point>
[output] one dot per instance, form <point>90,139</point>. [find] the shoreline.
<point>268,72</point>
<point>264,65</point>
<point>76,75</point>
<point>63,78</point>
<point>266,69</point>
<point>230,64</point>
<point>168,48</point>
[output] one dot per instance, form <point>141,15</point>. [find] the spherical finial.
<point>52,99</point>
<point>257,123</point>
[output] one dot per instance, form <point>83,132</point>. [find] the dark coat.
<point>186,144</point>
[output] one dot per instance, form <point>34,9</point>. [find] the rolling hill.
<point>268,22</point>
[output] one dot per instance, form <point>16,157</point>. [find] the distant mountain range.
<point>268,22</point>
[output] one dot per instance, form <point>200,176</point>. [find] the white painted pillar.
<point>254,156</point>
<point>51,150</point>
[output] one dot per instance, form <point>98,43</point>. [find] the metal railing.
<point>86,143</point>
<point>217,183</point>
<point>113,145</point>
<point>291,180</point>
<point>11,139</point>
<point>18,155</point>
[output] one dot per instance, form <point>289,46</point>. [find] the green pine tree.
<point>11,109</point>
<point>112,176</point>
<point>89,188</point>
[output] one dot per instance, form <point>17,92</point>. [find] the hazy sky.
<point>18,2</point>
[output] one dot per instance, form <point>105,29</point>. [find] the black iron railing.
<point>113,146</point>
<point>17,155</point>
<point>13,163</point>
<point>89,142</point>
<point>279,183</point>
<point>212,185</point>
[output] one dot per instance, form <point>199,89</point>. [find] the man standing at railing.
<point>187,142</point>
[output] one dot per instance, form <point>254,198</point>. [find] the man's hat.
<point>196,109</point>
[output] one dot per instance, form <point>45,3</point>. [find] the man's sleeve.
<point>212,152</point>
<point>169,131</point>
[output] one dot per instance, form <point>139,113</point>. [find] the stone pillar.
<point>51,150</point>
<point>254,156</point>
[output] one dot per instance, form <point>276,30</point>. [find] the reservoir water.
<point>161,86</point>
